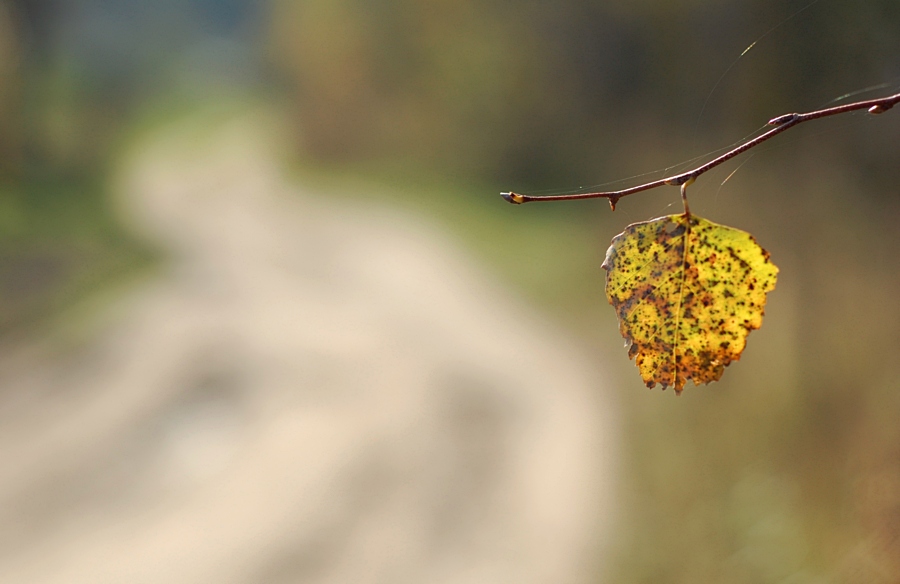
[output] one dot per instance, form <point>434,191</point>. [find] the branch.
<point>781,123</point>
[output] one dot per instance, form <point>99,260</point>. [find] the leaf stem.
<point>687,208</point>
<point>780,123</point>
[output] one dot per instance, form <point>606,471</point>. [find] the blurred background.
<point>264,317</point>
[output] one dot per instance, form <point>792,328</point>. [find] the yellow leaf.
<point>687,293</point>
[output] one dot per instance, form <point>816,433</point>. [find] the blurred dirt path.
<point>311,392</point>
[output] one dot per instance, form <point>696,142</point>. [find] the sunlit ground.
<point>304,390</point>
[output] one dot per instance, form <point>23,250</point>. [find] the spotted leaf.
<point>687,293</point>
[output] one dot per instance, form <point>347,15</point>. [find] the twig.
<point>781,123</point>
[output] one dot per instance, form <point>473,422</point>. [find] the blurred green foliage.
<point>539,92</point>
<point>58,238</point>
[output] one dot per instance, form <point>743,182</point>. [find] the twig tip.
<point>514,198</point>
